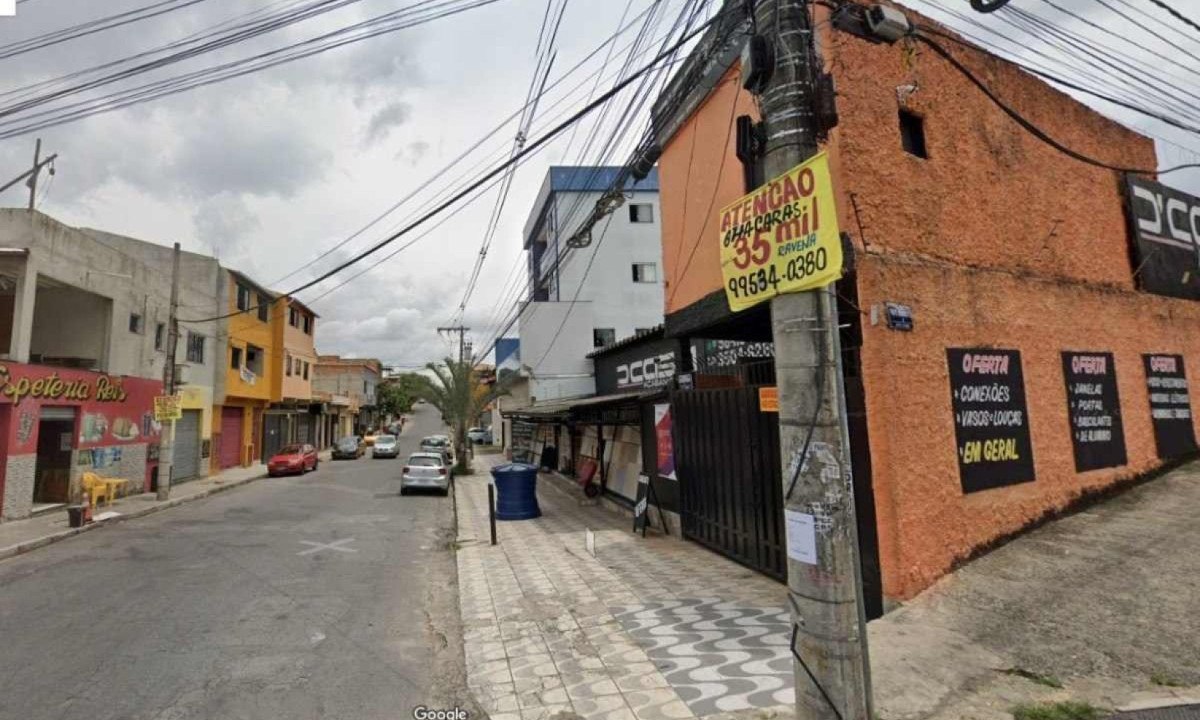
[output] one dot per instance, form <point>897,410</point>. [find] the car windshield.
<point>435,442</point>
<point>385,439</point>
<point>291,450</point>
<point>416,461</point>
<point>348,442</point>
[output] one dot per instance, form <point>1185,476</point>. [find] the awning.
<point>615,409</point>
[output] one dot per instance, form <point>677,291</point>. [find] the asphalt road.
<point>323,596</point>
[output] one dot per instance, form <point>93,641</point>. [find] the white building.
<point>583,298</point>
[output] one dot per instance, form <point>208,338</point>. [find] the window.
<point>243,297</point>
<point>254,359</point>
<point>603,336</point>
<point>364,387</point>
<point>287,365</point>
<point>305,371</point>
<point>195,347</point>
<point>641,213</point>
<point>264,307</point>
<point>293,317</point>
<point>160,336</point>
<point>645,273</point>
<point>912,134</point>
<point>235,358</point>
<point>135,323</point>
<point>308,321</point>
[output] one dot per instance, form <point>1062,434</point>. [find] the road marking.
<point>335,545</point>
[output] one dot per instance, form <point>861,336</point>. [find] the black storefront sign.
<point>644,365</point>
<point>1170,406</point>
<point>1094,410</point>
<point>522,441</point>
<point>991,420</point>
<point>1166,236</point>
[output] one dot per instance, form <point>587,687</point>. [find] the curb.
<point>24,547</point>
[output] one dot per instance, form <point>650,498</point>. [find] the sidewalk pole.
<point>828,630</point>
<point>166,448</point>
<point>492,510</point>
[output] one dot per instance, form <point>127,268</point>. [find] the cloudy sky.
<point>269,170</point>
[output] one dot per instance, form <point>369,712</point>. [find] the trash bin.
<point>516,491</point>
<point>75,515</point>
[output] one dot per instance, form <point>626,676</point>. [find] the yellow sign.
<point>768,399</point>
<point>781,238</point>
<point>168,407</point>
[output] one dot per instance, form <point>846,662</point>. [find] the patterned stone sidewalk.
<point>648,629</point>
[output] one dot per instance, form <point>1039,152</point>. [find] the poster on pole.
<point>1094,410</point>
<point>991,419</point>
<point>1170,405</point>
<point>781,238</point>
<point>168,407</point>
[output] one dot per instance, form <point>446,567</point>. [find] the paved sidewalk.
<point>649,629</point>
<point>20,536</point>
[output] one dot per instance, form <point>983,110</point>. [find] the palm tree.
<point>457,390</point>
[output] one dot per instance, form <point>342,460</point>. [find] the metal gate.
<point>731,490</point>
<point>304,429</point>
<point>231,437</point>
<point>186,463</point>
<point>273,435</point>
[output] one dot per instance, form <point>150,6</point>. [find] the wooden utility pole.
<point>166,448</point>
<point>825,596</point>
<point>32,184</point>
<point>462,334</point>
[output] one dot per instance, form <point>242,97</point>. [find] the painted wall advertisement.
<point>781,238</point>
<point>110,410</point>
<point>1094,410</point>
<point>1170,405</point>
<point>991,419</point>
<point>666,446</point>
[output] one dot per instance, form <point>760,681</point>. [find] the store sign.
<point>768,399</point>
<point>1170,405</point>
<point>1166,229</point>
<point>168,407</point>
<point>664,442</point>
<point>35,383</point>
<point>991,419</point>
<point>1094,410</point>
<point>781,238</point>
<point>644,365</point>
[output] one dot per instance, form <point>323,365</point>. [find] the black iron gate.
<point>727,454</point>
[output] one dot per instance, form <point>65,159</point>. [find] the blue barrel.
<point>516,490</point>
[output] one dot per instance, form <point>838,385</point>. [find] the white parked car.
<point>427,471</point>
<point>480,435</point>
<point>386,446</point>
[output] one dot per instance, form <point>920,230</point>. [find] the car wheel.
<point>403,491</point>
<point>316,464</point>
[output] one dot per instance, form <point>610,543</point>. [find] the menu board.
<point>522,441</point>
<point>1170,406</point>
<point>1094,410</point>
<point>991,420</point>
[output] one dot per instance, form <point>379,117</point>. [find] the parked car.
<point>479,435</point>
<point>439,444</point>
<point>386,446</point>
<point>426,470</point>
<point>350,447</point>
<point>370,437</point>
<point>293,459</point>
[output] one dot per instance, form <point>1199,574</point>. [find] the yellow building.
<point>251,381</point>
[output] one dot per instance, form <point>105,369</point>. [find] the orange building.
<point>250,375</point>
<point>293,417</point>
<point>1008,256</point>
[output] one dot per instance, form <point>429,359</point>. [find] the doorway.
<point>52,473</point>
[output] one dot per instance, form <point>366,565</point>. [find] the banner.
<point>666,445</point>
<point>1094,410</point>
<point>781,238</point>
<point>1170,405</point>
<point>168,407</point>
<point>991,420</point>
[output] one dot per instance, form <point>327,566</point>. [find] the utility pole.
<point>829,628</point>
<point>166,448</point>
<point>462,334</point>
<point>32,184</point>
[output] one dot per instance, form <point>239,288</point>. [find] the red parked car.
<point>297,459</point>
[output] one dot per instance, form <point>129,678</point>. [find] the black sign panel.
<point>991,421</point>
<point>522,441</point>
<point>1166,232</point>
<point>1094,409</point>
<point>642,365</point>
<point>1170,406</point>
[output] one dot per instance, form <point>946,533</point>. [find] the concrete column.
<point>22,321</point>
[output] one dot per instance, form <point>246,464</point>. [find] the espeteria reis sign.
<point>781,238</point>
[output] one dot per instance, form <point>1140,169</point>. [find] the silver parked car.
<point>480,435</point>
<point>386,446</point>
<point>426,470</point>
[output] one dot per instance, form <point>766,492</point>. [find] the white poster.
<point>801,537</point>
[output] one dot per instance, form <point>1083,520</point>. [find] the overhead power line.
<point>532,147</point>
<point>1178,15</point>
<point>91,27</point>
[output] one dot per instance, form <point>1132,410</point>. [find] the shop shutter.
<point>231,437</point>
<point>187,446</point>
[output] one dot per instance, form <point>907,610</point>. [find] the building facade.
<point>354,380</point>
<point>1003,354</point>
<point>83,344</point>
<point>293,416</point>
<point>251,365</point>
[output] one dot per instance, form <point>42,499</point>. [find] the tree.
<point>460,392</point>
